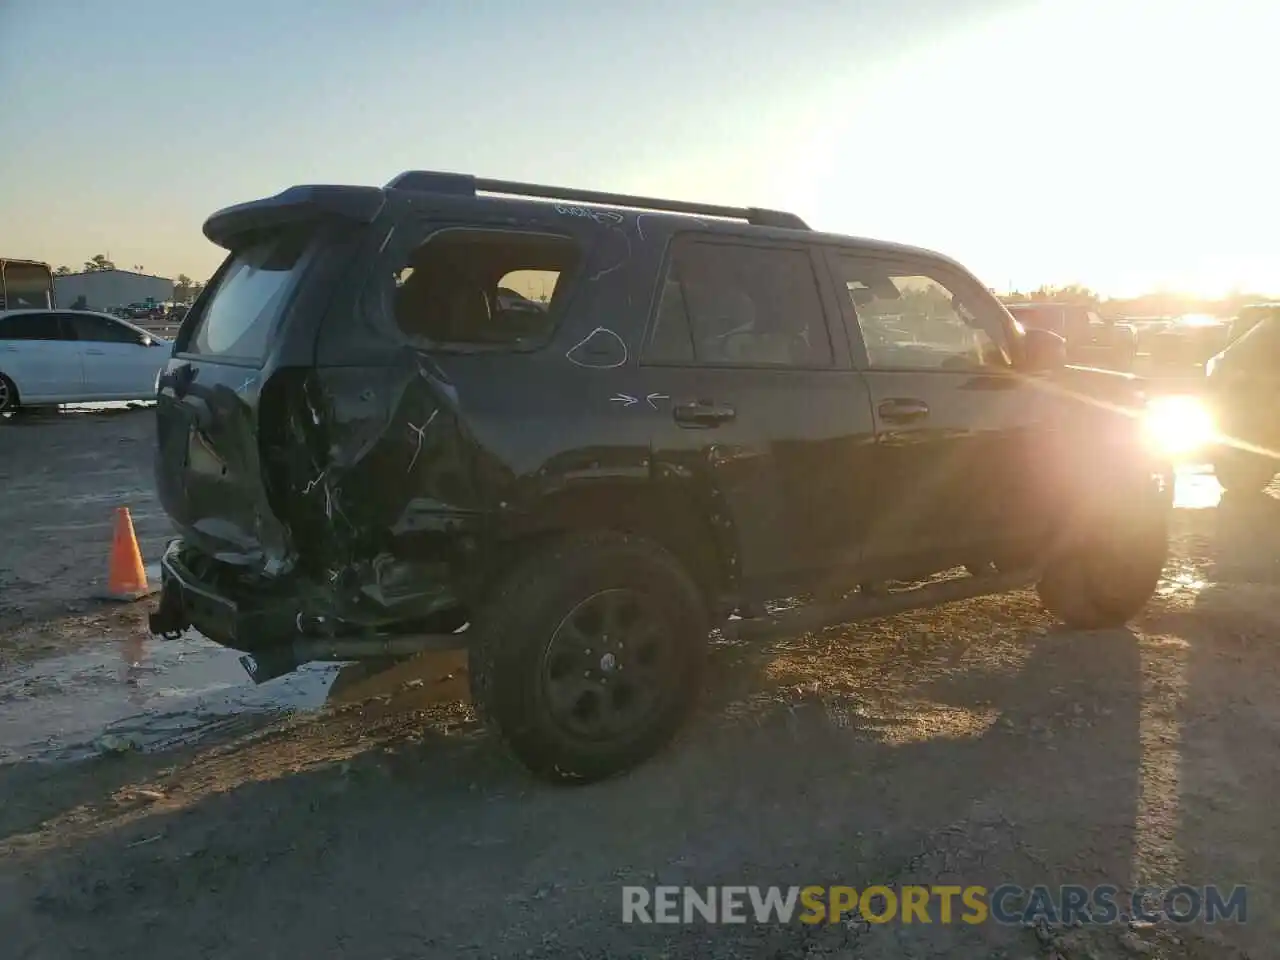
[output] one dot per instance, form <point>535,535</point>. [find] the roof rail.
<point>460,184</point>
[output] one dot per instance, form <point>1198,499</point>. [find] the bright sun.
<point>1179,426</point>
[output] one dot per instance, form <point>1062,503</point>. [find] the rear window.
<point>26,285</point>
<point>485,289</point>
<point>236,317</point>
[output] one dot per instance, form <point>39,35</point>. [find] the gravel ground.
<point>971,744</point>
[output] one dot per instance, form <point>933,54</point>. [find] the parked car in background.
<point>1249,317</point>
<point>1244,394</point>
<point>368,448</point>
<point>1183,347</point>
<point>26,285</point>
<point>148,310</point>
<point>75,356</point>
<point>1091,340</point>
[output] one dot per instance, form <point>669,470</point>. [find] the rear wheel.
<point>8,395</point>
<point>587,657</point>
<point>1107,575</point>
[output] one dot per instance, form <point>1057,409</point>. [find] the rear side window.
<point>100,329</point>
<point>725,304</point>
<point>30,326</point>
<point>236,317</point>
<point>485,288</point>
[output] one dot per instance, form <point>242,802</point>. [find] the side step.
<point>275,662</point>
<point>375,648</point>
<point>865,605</point>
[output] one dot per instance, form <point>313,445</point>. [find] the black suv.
<point>1244,391</point>
<point>579,434</point>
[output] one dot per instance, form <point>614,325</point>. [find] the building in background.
<point>104,289</point>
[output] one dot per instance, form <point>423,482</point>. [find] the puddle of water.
<point>1182,577</point>
<point>147,692</point>
<point>34,416</point>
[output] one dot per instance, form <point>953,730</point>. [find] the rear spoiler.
<point>295,205</point>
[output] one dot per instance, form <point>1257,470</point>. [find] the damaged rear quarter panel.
<point>444,457</point>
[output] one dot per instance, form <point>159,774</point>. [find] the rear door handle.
<point>96,353</point>
<point>903,410</point>
<point>703,413</point>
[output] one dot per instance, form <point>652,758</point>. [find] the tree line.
<point>184,288</point>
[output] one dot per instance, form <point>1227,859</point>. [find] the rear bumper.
<point>234,619</point>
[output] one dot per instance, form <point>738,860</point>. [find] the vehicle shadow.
<point>1223,718</point>
<point>850,757</point>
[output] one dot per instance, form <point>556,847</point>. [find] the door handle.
<point>903,410</point>
<point>96,353</point>
<point>703,413</point>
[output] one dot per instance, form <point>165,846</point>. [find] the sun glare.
<point>1179,426</point>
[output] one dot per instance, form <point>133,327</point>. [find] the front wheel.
<point>1107,575</point>
<point>587,657</point>
<point>8,395</point>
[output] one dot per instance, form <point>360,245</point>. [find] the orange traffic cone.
<point>126,577</point>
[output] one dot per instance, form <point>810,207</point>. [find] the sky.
<point>1123,144</point>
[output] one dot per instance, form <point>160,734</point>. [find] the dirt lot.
<point>155,804</point>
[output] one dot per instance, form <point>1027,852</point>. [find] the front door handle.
<point>703,413</point>
<point>903,410</point>
<point>96,353</point>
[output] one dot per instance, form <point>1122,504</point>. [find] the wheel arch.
<point>667,514</point>
<point>8,374</point>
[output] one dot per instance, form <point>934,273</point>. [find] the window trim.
<point>838,361</point>
<point>941,272</point>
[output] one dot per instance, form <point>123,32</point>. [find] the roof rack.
<point>461,184</point>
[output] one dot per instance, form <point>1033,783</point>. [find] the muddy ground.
<point>153,803</point>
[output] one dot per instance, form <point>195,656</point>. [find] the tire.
<point>8,395</point>
<point>525,660</point>
<point>1244,473</point>
<point>1105,578</point>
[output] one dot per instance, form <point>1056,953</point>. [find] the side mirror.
<point>1043,350</point>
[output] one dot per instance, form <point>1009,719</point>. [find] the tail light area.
<point>293,450</point>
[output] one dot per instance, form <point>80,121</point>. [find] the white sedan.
<point>75,356</point>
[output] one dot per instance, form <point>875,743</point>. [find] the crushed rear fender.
<point>377,482</point>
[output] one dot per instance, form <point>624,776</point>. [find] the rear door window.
<point>236,318</point>
<point>87,326</point>
<point>730,304</point>
<point>31,326</point>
